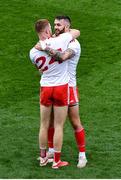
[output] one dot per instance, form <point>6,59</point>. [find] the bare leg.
<point>45,113</point>
<point>60,114</point>
<point>74,117</point>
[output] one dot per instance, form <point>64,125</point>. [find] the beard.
<point>57,32</point>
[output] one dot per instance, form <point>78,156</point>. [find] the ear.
<point>67,28</point>
<point>47,31</point>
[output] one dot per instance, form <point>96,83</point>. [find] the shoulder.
<point>34,53</point>
<point>65,35</point>
<point>75,43</point>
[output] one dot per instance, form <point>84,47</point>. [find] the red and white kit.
<point>55,74</point>
<point>72,65</point>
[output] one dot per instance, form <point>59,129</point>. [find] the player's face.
<point>59,26</point>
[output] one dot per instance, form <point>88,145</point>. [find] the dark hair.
<point>41,24</point>
<point>67,18</point>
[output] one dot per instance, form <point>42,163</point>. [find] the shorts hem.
<point>75,104</point>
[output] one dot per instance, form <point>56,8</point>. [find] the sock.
<point>80,139</point>
<point>57,156</point>
<point>82,154</point>
<point>42,152</point>
<point>51,150</point>
<point>50,137</point>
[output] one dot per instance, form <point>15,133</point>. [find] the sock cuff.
<point>43,148</point>
<point>79,130</point>
<point>57,151</point>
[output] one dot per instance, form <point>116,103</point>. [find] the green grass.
<point>98,77</point>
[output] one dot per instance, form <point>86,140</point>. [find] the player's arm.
<point>75,33</point>
<point>60,56</point>
<point>41,45</point>
<point>32,56</point>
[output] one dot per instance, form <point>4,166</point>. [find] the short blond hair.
<point>41,24</point>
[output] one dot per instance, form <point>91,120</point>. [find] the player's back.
<point>54,73</point>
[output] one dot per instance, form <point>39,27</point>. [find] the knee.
<point>44,126</point>
<point>76,124</point>
<point>77,127</point>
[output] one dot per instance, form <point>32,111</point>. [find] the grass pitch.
<point>99,82</point>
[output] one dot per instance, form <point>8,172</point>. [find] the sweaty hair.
<point>41,24</point>
<point>66,18</point>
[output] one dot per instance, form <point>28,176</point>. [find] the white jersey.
<point>54,72</point>
<point>72,62</point>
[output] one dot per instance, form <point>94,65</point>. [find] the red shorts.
<point>56,95</point>
<point>73,96</point>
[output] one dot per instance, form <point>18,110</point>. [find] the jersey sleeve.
<point>74,46</point>
<point>32,56</point>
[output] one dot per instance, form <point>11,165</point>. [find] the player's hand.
<point>53,35</point>
<point>38,46</point>
<point>41,46</point>
<point>41,72</point>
